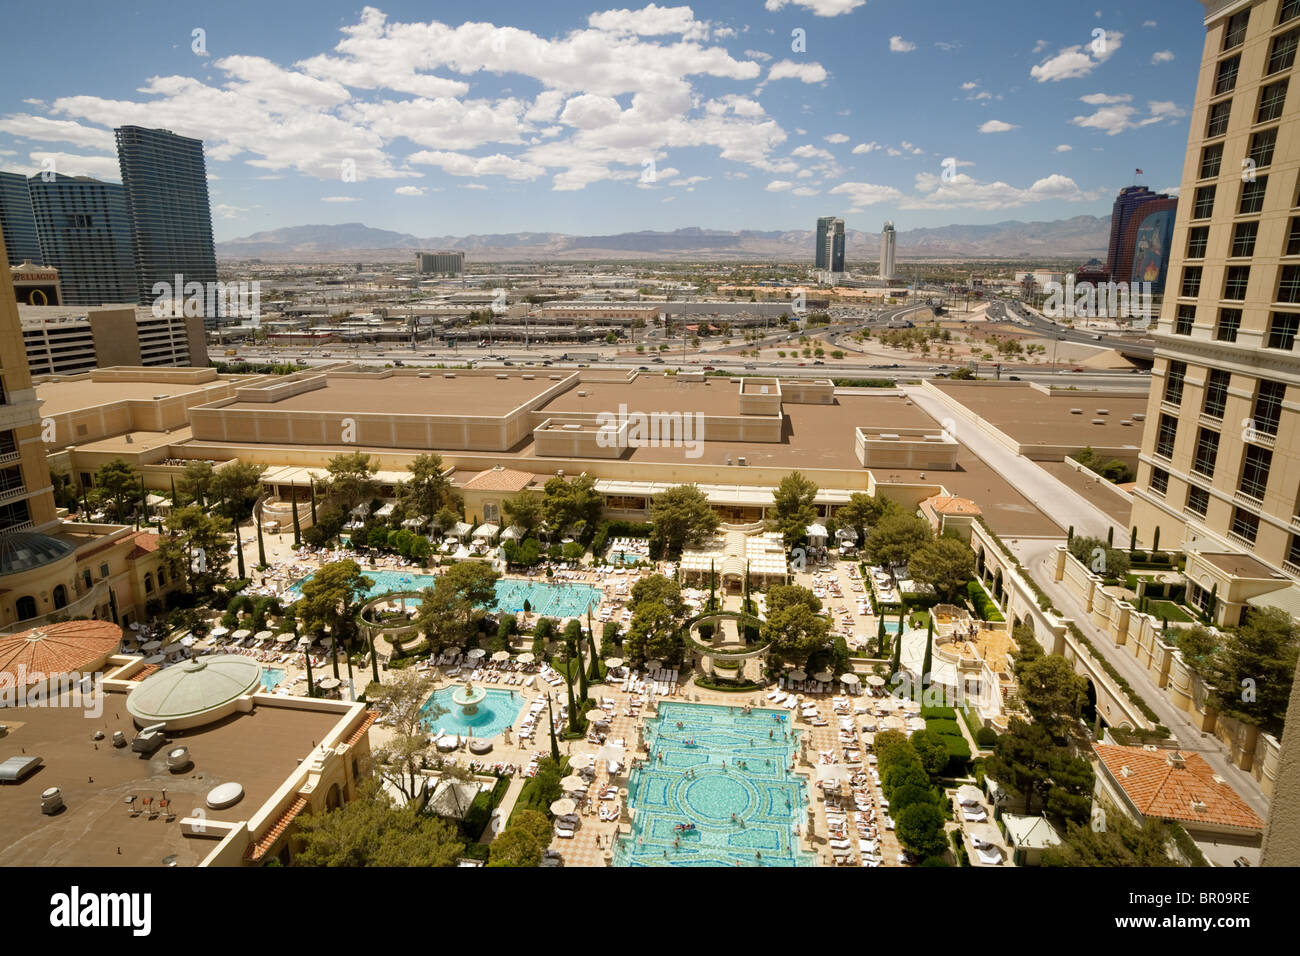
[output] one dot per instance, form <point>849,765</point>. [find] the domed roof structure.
<point>195,692</point>
<point>63,648</point>
<point>27,550</point>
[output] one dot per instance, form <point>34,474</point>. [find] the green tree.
<point>931,750</point>
<point>449,611</point>
<point>895,538</point>
<point>658,588</point>
<point>1255,667</point>
<point>945,564</point>
<point>427,490</point>
<point>1053,694</point>
<point>653,633</point>
<point>238,485</point>
<point>919,828</point>
<point>403,700</point>
<point>794,629</point>
<point>330,600</point>
<point>523,509</point>
<point>371,831</point>
<point>116,487</point>
<point>1121,843</point>
<point>863,510</point>
<point>196,480</point>
<point>572,506</point>
<point>196,543</point>
<point>523,842</point>
<point>351,479</point>
<point>793,508</point>
<point>1021,761</point>
<point>679,517</point>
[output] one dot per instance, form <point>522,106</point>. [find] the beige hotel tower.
<point>1219,471</point>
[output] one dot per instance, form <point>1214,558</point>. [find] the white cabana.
<point>460,529</point>
<point>816,535</point>
<point>386,511</point>
<point>832,771</point>
<point>487,532</point>
<point>416,524</point>
<point>361,510</point>
<point>513,533</point>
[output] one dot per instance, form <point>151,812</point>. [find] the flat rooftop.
<point>650,392</point>
<point>60,397</point>
<point>140,441</point>
<point>1032,418</point>
<point>411,395</point>
<point>1119,507</point>
<point>259,750</point>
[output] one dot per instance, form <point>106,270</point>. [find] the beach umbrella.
<point>597,714</point>
<point>151,645</point>
<point>875,680</point>
<point>219,631</point>
<point>189,640</point>
<point>823,677</point>
<point>154,659</point>
<point>969,795</point>
<point>614,662</point>
<point>849,680</point>
<point>262,635</point>
<point>501,656</point>
<point>611,751</point>
<point>653,665</point>
<point>832,771</point>
<point>329,683</point>
<point>242,633</point>
<point>526,658</point>
<point>581,761</point>
<point>475,653</point>
<point>563,807</point>
<point>797,675</point>
<point>454,650</point>
<point>573,782</point>
<point>285,638</point>
<point>304,643</point>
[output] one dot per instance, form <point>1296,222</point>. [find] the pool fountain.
<point>468,698</point>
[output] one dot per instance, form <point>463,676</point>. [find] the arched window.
<point>25,606</point>
<point>60,596</point>
<point>162,577</point>
<point>148,584</point>
<point>333,799</point>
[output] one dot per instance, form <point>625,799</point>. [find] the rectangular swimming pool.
<point>717,791</point>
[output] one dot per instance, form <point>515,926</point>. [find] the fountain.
<point>468,698</point>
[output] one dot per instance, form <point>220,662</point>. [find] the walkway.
<point>1062,504</point>
<point>504,809</point>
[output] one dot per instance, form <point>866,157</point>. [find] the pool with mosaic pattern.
<point>738,765</point>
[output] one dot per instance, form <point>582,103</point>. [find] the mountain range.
<point>1080,236</point>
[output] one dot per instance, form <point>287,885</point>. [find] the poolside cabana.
<point>816,535</point>
<point>416,524</point>
<point>459,530</point>
<point>486,532</point>
<point>513,533</point>
<point>385,512</point>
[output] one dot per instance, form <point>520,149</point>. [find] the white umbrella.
<point>597,714</point>
<point>823,677</point>
<point>526,658</point>
<point>262,635</point>
<point>610,751</point>
<point>849,679</point>
<point>969,795</point>
<point>797,675</point>
<point>220,631</point>
<point>285,638</point>
<point>832,771</point>
<point>614,662</point>
<point>573,782</point>
<point>329,683</point>
<point>242,633</point>
<point>581,761</point>
<point>188,640</point>
<point>875,680</point>
<point>563,807</point>
<point>151,645</point>
<point>501,656</point>
<point>475,653</point>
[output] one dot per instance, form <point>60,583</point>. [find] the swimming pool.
<point>271,676</point>
<point>499,710</point>
<point>736,768</point>
<point>550,600</point>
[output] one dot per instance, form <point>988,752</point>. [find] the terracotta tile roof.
<point>500,479</point>
<point>259,848</point>
<point>145,671</point>
<point>146,542</point>
<point>60,648</point>
<point>1170,785</point>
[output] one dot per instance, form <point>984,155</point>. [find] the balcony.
<point>1291,569</point>
<point>84,606</point>
<point>7,456</point>
<point>12,494</point>
<point>1241,539</point>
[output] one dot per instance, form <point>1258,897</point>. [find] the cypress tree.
<point>1155,541</point>
<point>261,548</point>
<point>1133,539</point>
<point>573,707</point>
<point>175,503</point>
<point>297,530</point>
<point>582,672</point>
<point>239,553</point>
<point>143,517</point>
<point>313,499</point>
<point>555,747</point>
<point>1110,536</point>
<point>929,646</point>
<point>898,654</point>
<point>880,638</point>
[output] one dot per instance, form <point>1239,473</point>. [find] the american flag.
<point>1138,171</point>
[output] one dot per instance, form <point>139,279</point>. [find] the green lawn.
<point>1168,610</point>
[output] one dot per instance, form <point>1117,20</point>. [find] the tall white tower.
<point>887,250</point>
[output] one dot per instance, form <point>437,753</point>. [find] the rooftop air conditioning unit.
<point>741,461</point>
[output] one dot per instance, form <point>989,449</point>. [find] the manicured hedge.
<point>985,607</point>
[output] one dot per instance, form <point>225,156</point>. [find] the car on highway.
<point>708,368</point>
<point>643,368</point>
<point>657,360</point>
<point>1077,369</point>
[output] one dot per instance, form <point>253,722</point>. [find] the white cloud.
<point>652,20</point>
<point>472,186</point>
<point>779,185</point>
<point>735,174</point>
<point>69,164</point>
<point>1072,62</point>
<point>836,138</point>
<point>805,72</point>
<point>898,45</point>
<point>965,192</point>
<point>866,147</point>
<point>1103,99</point>
<point>969,85</point>
<point>458,164</point>
<point>808,151</point>
<point>1064,148</point>
<point>340,199</point>
<point>225,211</point>
<point>866,194</point>
<point>997,126</point>
<point>1115,119</point>
<point>821,8</point>
<point>26,126</point>
<point>690,180</point>
<point>1162,56</point>
<point>1040,46</point>
<point>757,55</point>
<point>807,191</point>
<point>409,190</point>
<point>1151,24</point>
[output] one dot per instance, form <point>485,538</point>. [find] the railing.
<point>17,491</point>
<point>8,456</point>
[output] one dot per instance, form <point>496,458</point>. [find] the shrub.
<point>986,736</point>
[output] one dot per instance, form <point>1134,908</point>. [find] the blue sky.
<point>590,118</point>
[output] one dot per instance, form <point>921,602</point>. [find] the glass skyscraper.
<point>17,220</point>
<point>830,244</point>
<point>166,185</point>
<point>85,233</point>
